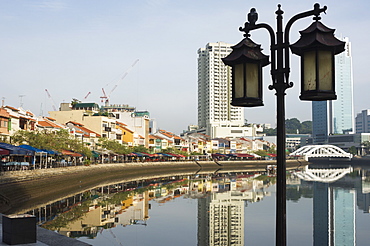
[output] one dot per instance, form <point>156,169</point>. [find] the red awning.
<point>4,152</point>
<point>150,155</point>
<point>244,155</point>
<point>66,152</point>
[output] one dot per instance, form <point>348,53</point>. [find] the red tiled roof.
<point>14,109</point>
<point>75,123</point>
<point>84,130</point>
<point>45,123</point>
<point>169,134</point>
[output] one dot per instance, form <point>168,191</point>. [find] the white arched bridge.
<point>321,151</point>
<point>327,175</point>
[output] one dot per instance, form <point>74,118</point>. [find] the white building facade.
<point>214,93</point>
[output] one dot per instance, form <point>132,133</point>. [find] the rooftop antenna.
<point>21,100</point>
<point>41,111</point>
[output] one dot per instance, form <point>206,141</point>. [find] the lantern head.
<point>317,47</point>
<point>246,61</point>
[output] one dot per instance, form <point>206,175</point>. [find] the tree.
<point>175,151</point>
<point>366,145</point>
<point>261,152</point>
<point>269,131</point>
<point>352,150</point>
<point>306,127</point>
<point>140,148</point>
<point>58,141</point>
<point>292,126</point>
<point>114,146</point>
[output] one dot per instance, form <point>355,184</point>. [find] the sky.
<point>75,48</point>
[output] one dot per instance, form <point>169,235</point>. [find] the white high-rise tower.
<point>215,114</point>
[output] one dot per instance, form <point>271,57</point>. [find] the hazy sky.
<point>75,47</point>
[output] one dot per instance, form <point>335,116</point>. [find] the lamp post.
<point>317,47</point>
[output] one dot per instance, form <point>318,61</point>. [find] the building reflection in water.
<point>221,208</point>
<point>333,205</point>
<point>221,202</point>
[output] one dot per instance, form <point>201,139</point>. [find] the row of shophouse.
<point>122,123</point>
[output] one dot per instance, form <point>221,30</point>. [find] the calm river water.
<point>325,206</point>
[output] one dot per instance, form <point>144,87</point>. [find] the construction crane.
<point>51,99</point>
<point>87,95</point>
<point>105,97</point>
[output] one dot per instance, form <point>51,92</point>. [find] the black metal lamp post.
<point>317,47</point>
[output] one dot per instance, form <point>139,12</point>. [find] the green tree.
<point>58,141</point>
<point>366,145</point>
<point>272,149</point>
<point>175,151</point>
<point>140,148</point>
<point>261,152</point>
<point>352,150</point>
<point>114,146</point>
<point>292,125</point>
<point>270,131</point>
<point>306,127</point>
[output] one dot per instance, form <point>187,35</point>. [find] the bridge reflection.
<point>324,175</point>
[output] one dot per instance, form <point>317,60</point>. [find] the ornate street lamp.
<point>246,61</point>
<point>317,47</point>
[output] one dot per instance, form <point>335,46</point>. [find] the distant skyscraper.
<point>363,121</point>
<point>214,90</point>
<point>336,117</point>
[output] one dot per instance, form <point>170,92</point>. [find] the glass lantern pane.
<point>309,70</point>
<point>239,81</point>
<point>325,70</point>
<point>251,70</point>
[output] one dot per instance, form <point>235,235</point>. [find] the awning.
<point>4,152</point>
<point>150,155</point>
<point>15,150</point>
<point>25,146</point>
<point>176,155</point>
<point>16,163</point>
<point>67,152</point>
<point>244,155</point>
<point>218,155</point>
<point>138,154</point>
<point>164,154</point>
<point>95,154</point>
<point>50,152</point>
